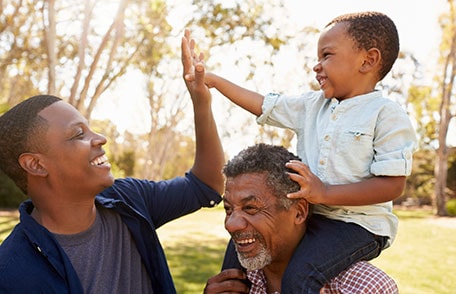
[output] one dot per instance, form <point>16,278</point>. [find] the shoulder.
<point>13,245</point>
<point>362,277</point>
<point>16,257</point>
<point>377,100</point>
<point>30,259</point>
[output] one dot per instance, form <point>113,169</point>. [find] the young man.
<point>82,231</point>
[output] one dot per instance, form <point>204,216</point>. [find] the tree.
<point>447,88</point>
<point>72,50</point>
<point>224,26</point>
<point>20,51</point>
<point>259,40</point>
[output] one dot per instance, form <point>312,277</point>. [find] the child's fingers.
<point>199,73</point>
<point>298,179</point>
<point>295,195</point>
<point>189,77</point>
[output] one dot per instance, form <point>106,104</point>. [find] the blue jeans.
<point>328,248</point>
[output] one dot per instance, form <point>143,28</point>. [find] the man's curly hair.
<point>269,160</point>
<point>22,130</point>
<point>373,30</point>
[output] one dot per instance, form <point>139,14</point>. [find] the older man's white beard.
<point>259,261</point>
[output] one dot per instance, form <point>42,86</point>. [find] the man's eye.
<point>228,210</point>
<point>251,209</point>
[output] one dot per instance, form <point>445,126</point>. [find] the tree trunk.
<point>441,164</point>
<point>50,33</point>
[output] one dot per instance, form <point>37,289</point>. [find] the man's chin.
<point>259,261</point>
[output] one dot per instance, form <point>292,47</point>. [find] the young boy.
<point>356,147</point>
<point>82,231</point>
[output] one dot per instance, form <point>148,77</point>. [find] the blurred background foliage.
<point>106,57</point>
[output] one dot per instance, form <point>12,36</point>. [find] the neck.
<point>65,219</point>
<point>274,278</point>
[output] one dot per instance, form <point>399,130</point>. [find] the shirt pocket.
<point>355,152</point>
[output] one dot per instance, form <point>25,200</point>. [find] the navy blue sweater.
<point>31,260</point>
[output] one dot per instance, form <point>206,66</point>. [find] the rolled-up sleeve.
<point>281,111</point>
<point>394,144</point>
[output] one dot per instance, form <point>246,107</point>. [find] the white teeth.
<point>246,241</point>
<point>99,160</point>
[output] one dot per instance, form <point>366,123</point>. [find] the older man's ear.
<point>302,211</point>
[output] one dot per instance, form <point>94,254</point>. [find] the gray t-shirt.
<point>105,257</point>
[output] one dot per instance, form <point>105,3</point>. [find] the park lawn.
<point>7,222</point>
<point>422,259</point>
<point>423,256</point>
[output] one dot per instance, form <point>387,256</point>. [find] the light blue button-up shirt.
<point>346,142</point>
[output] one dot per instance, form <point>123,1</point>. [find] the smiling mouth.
<point>101,160</point>
<point>321,81</point>
<point>245,245</point>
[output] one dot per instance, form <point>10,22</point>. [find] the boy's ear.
<point>372,60</point>
<point>30,162</point>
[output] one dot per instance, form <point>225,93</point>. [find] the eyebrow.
<point>69,129</point>
<point>243,200</point>
<point>80,122</point>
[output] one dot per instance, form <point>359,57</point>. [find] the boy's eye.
<point>77,135</point>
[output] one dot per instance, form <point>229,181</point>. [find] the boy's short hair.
<point>373,30</point>
<point>22,130</point>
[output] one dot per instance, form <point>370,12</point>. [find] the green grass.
<point>423,256</point>
<point>7,222</point>
<point>194,247</point>
<point>422,259</point>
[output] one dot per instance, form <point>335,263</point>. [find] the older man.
<point>266,228</point>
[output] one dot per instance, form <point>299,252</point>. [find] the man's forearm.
<point>209,156</point>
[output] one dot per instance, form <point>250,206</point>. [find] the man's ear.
<point>31,163</point>
<point>372,60</point>
<point>302,211</point>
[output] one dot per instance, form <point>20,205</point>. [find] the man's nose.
<point>98,139</point>
<point>235,222</point>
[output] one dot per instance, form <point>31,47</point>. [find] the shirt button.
<point>334,117</point>
<point>327,137</point>
<point>212,202</point>
<point>322,162</point>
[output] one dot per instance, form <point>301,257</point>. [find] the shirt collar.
<point>258,280</point>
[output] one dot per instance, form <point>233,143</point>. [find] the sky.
<point>416,21</point>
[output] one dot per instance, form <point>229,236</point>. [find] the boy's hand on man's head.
<point>312,188</point>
